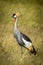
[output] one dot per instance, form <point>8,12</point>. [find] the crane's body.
<point>21,38</point>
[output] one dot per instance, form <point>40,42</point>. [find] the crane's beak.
<point>12,16</point>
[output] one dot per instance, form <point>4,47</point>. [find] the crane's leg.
<point>29,52</point>
<point>21,50</point>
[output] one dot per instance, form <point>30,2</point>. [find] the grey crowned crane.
<point>21,38</point>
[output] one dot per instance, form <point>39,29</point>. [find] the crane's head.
<point>15,16</point>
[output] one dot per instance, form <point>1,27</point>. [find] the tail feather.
<point>32,50</point>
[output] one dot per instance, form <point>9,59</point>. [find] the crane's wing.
<point>26,37</point>
<point>26,40</point>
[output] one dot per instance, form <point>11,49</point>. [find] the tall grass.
<point>31,23</point>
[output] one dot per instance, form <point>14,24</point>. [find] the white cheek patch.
<point>27,43</point>
<point>15,16</point>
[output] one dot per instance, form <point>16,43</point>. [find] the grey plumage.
<point>21,38</point>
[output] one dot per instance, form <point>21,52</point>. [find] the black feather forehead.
<point>14,14</point>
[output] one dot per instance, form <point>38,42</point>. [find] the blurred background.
<point>30,23</point>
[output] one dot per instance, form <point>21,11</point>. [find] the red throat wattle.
<point>14,19</point>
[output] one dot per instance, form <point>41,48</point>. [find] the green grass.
<point>31,23</point>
